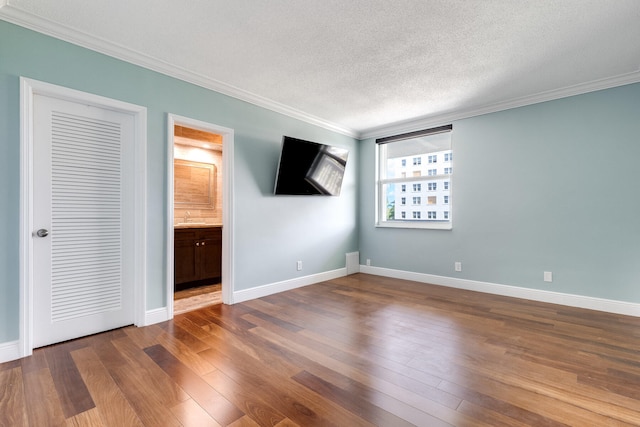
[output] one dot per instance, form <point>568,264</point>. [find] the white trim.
<point>228,276</point>
<point>10,351</point>
<point>580,301</point>
<point>28,88</point>
<point>465,113</point>
<point>156,315</point>
<point>44,26</point>
<point>286,285</point>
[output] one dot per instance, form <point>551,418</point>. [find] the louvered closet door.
<point>82,267</point>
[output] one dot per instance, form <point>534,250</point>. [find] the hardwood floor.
<point>194,298</point>
<point>355,351</point>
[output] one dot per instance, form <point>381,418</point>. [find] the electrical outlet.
<point>368,262</point>
<point>458,266</point>
<point>548,276</point>
<point>299,265</point>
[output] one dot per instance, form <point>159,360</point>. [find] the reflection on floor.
<point>194,298</point>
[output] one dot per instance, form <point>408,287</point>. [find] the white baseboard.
<point>156,315</point>
<point>286,285</point>
<point>9,351</point>
<point>600,304</point>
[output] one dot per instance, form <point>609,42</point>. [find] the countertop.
<point>196,225</point>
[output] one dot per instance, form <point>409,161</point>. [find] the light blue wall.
<point>271,233</point>
<point>547,187</point>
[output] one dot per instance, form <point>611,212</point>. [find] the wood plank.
<point>140,387</point>
<point>13,411</point>
<point>88,418</point>
<point>44,408</point>
<point>190,414</point>
<point>356,404</point>
<point>110,402</point>
<point>200,391</point>
<point>72,391</point>
<point>251,403</point>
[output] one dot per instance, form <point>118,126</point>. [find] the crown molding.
<point>79,38</point>
<point>44,26</point>
<point>446,118</point>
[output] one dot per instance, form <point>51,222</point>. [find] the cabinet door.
<point>185,256</point>
<point>211,254</point>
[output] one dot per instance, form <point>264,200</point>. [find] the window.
<point>404,162</point>
<point>448,157</point>
<point>392,182</point>
<point>446,214</point>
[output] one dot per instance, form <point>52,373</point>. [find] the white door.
<point>83,217</point>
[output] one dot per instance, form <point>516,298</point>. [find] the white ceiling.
<point>362,67</point>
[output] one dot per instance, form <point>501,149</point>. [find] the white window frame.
<point>381,198</point>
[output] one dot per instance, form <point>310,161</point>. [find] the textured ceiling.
<point>359,65</point>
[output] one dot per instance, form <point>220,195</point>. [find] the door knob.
<point>42,232</point>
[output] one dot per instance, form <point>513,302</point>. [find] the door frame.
<point>28,89</point>
<point>227,205</point>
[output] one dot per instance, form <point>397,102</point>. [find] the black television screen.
<point>310,168</point>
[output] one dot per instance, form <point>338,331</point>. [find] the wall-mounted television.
<point>310,168</point>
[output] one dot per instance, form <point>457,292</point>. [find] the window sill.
<point>424,225</point>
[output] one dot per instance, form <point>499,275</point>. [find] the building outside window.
<point>395,151</point>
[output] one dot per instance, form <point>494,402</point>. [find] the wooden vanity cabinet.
<point>197,254</point>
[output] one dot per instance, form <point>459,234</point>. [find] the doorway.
<point>199,211</point>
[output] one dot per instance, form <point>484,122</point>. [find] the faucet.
<point>187,217</point>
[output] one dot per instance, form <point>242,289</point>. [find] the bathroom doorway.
<point>199,229</point>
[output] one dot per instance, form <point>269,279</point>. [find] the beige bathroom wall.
<point>201,155</point>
